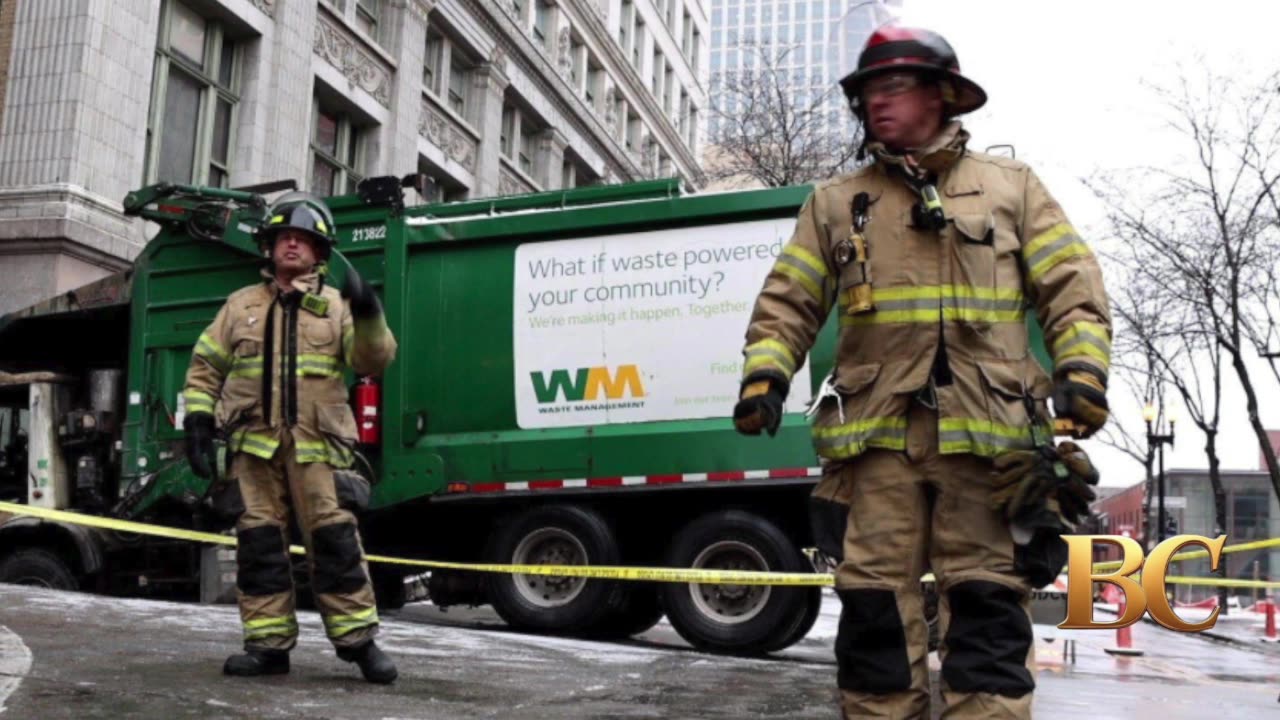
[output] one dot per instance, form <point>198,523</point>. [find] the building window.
<point>447,71</point>
<point>595,82</point>
<point>368,13</point>
<point>637,39</point>
<point>459,81</point>
<point>633,132</point>
<point>577,61</point>
<point>442,188</point>
<point>519,139</point>
<point>655,77</point>
<point>335,152</point>
<point>528,149</point>
<point>625,21</point>
<point>541,22</point>
<point>433,61</point>
<point>508,138</point>
<point>668,103</point>
<point>567,177</point>
<point>193,99</point>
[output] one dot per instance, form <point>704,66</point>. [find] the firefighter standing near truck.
<point>268,374</point>
<point>931,256</point>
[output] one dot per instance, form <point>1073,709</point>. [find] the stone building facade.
<point>488,97</point>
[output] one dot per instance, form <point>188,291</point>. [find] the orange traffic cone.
<point>1124,637</point>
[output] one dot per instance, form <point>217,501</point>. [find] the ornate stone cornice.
<point>458,145</point>
<point>345,52</point>
<point>268,7</point>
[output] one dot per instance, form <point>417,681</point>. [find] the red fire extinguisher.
<point>368,425</point>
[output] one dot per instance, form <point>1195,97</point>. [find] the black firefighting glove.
<point>201,453</point>
<point>1075,495</point>
<point>364,301</point>
<point>760,406</point>
<point>1080,395</point>
<point>1027,482</point>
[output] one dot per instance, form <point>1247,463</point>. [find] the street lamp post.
<point>1151,415</point>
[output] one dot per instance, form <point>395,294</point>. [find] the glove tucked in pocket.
<point>352,490</point>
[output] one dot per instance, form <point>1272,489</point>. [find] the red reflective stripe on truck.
<point>488,487</point>
<point>604,482</point>
<point>789,473</point>
<point>726,476</point>
<point>545,484</point>
<point>663,479</point>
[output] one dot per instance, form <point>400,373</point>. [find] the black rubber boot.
<point>374,664</point>
<point>256,662</point>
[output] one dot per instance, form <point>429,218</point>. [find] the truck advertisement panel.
<point>642,326</point>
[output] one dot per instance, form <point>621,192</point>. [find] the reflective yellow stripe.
<point>312,452</point>
<point>246,367</point>
<point>950,314</point>
<point>805,268</point>
<point>340,455</point>
<point>323,365</point>
<point>256,444</point>
<point>268,627</point>
<point>814,289</point>
<point>209,349</point>
<point>339,625</point>
<point>808,258</point>
<point>348,339</point>
<point>1051,247</point>
<point>1083,339</point>
<point>981,437</point>
<point>850,439</point>
<point>769,353</point>
<point>198,401</point>
<point>936,292</point>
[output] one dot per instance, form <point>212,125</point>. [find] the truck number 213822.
<point>377,232</point>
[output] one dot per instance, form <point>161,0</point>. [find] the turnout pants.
<point>335,558</point>
<point>908,512</point>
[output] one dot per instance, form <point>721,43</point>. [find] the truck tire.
<point>639,610</point>
<point>804,622</point>
<point>735,619</point>
<point>554,535</point>
<point>39,567</point>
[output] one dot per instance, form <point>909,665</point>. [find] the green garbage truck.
<point>567,366</point>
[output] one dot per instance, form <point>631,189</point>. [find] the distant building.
<point>1253,513</point>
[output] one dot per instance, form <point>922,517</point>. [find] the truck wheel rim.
<point>549,546</point>
<point>33,580</point>
<point>730,604</point>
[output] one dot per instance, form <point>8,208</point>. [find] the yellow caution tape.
<point>597,572</point>
<point>1221,582</point>
<point>1197,554</point>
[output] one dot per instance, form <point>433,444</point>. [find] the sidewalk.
<point>1243,626</point>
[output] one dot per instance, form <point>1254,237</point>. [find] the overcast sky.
<point>1066,82</point>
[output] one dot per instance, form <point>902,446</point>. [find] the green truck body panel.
<point>446,275</point>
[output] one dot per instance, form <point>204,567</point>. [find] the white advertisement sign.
<point>640,326</point>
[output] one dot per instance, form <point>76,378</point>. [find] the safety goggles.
<point>890,85</point>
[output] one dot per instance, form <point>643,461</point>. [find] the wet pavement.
<point>66,655</point>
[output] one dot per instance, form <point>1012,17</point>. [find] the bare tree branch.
<point>765,130</point>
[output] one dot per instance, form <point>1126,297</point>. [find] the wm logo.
<point>587,384</point>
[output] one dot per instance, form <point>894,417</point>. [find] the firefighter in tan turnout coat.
<point>930,256</point>
<point>268,372</point>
